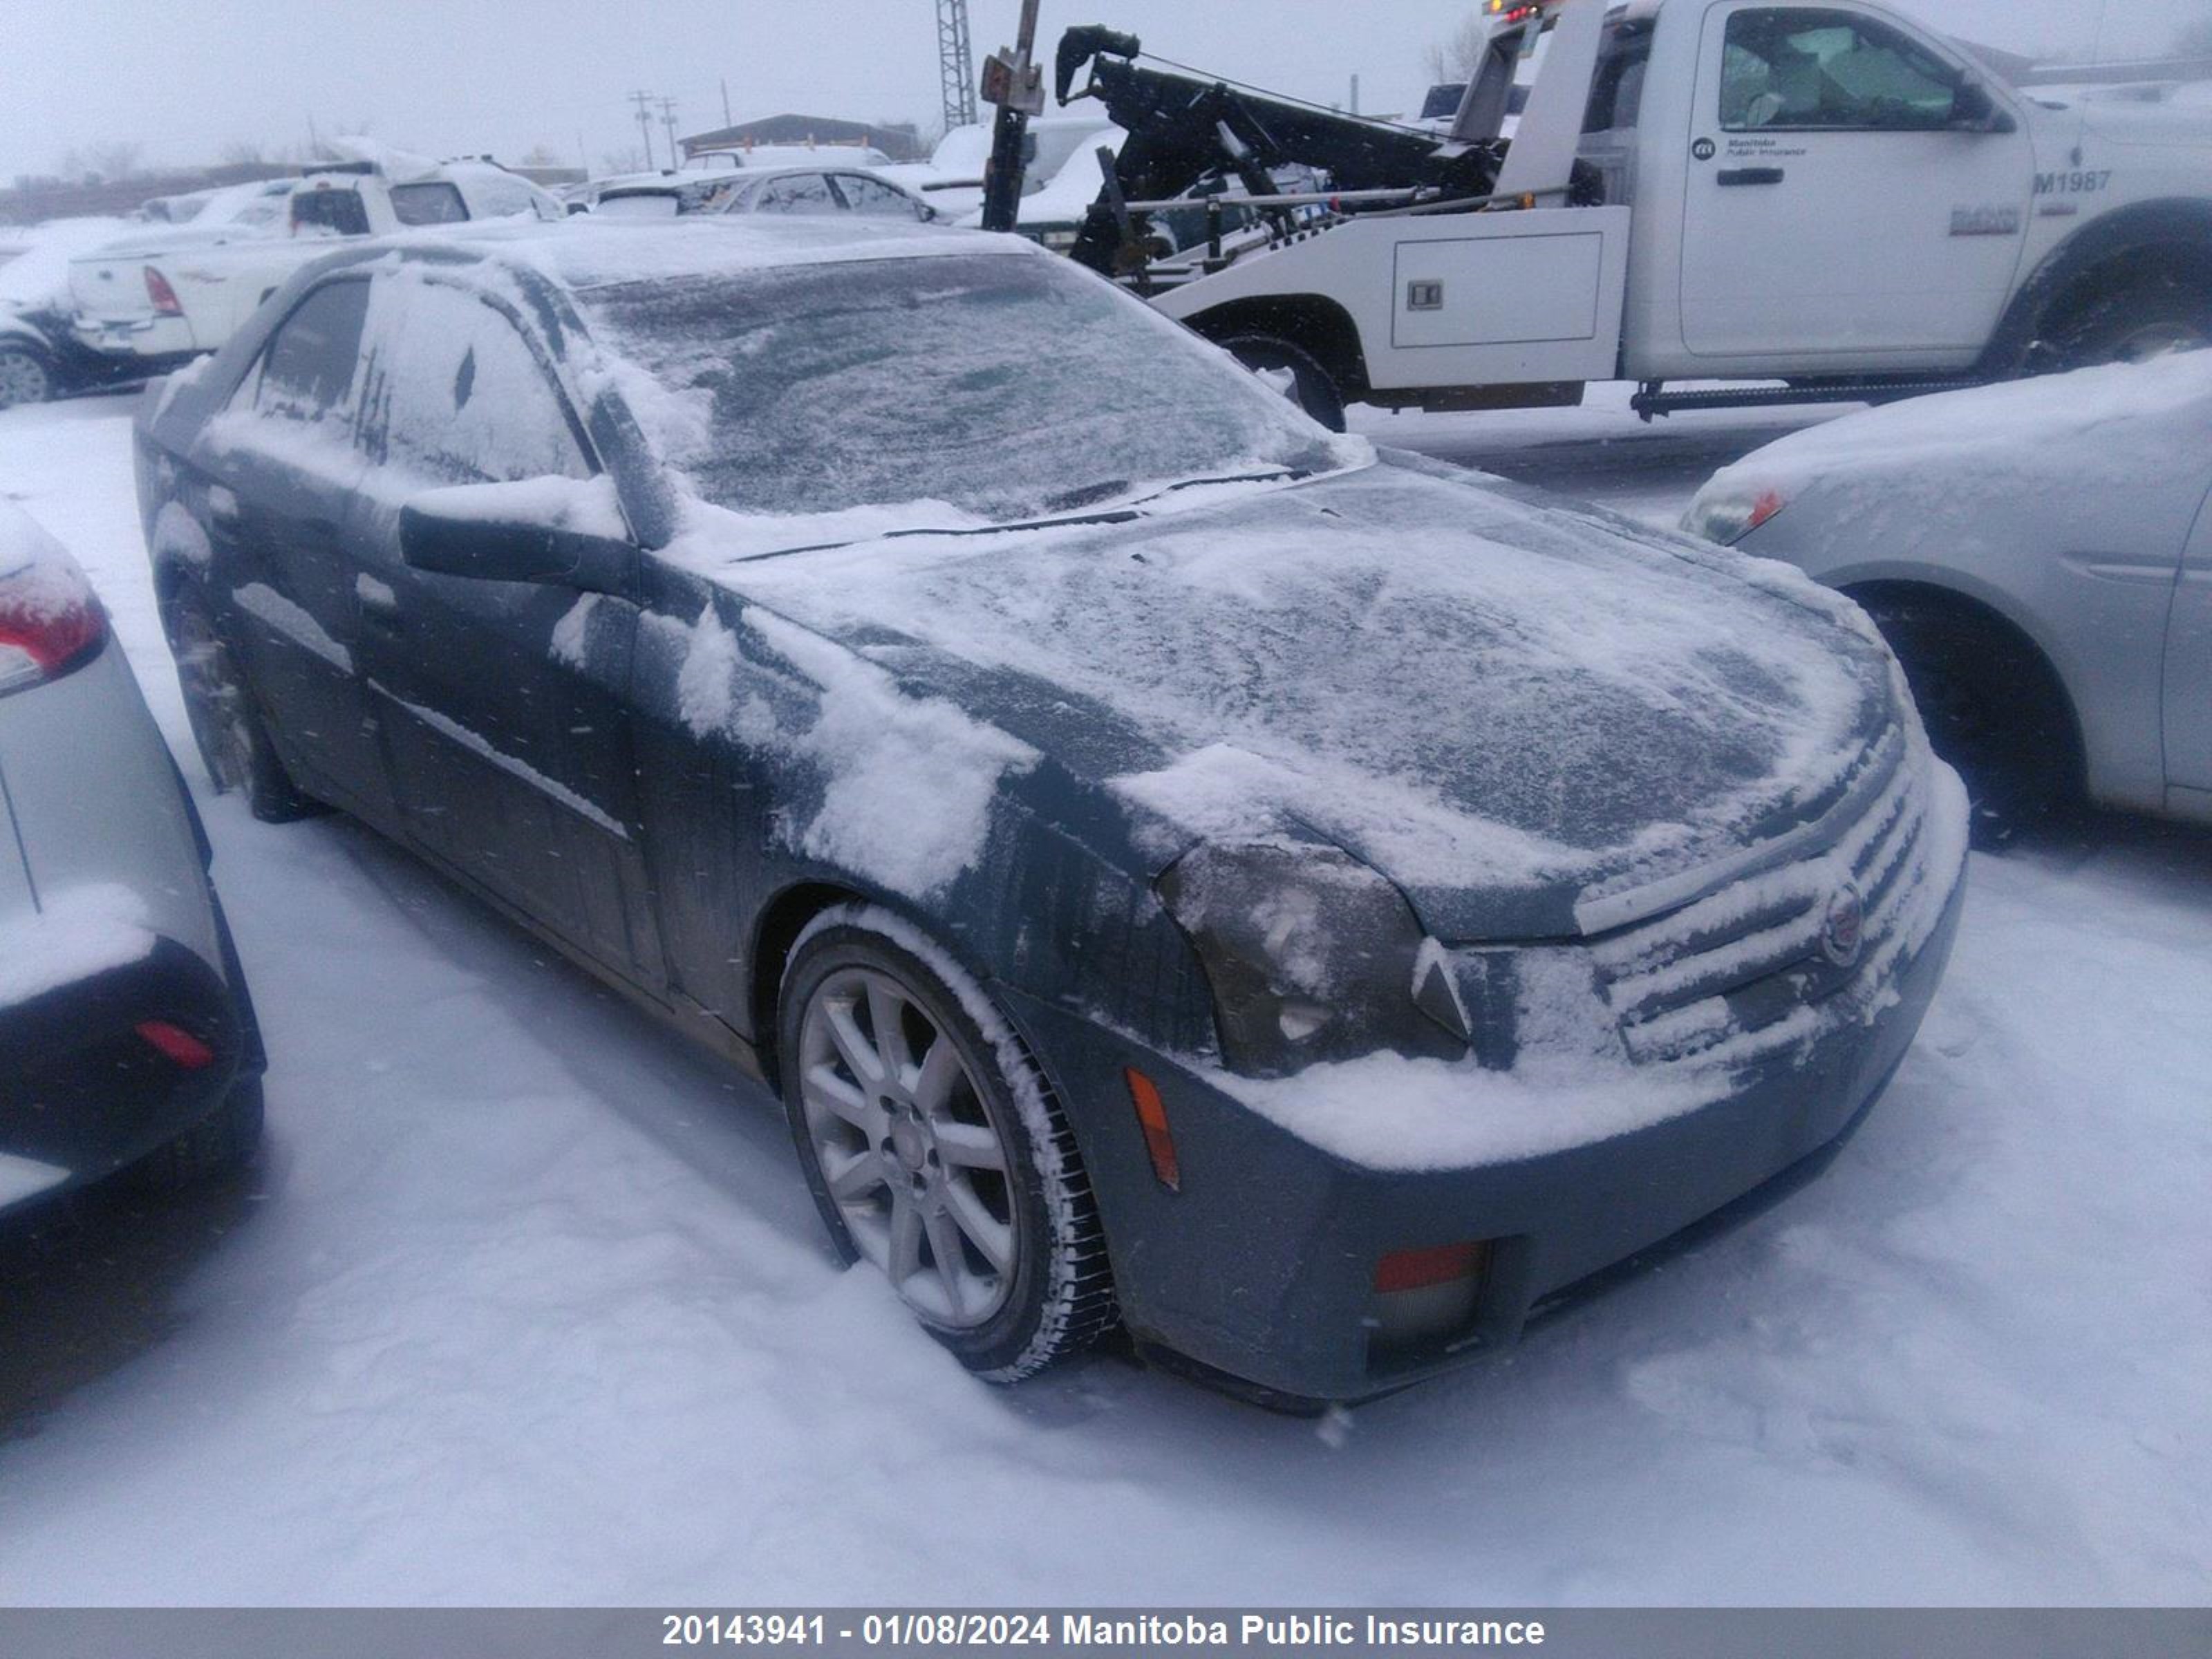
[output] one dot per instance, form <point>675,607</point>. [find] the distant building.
<point>899,140</point>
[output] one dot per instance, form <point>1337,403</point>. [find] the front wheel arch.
<point>2151,239</point>
<point>2035,760</point>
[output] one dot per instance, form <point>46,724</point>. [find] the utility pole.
<point>726,121</point>
<point>668,120</point>
<point>1013,82</point>
<point>644,102</point>
<point>956,63</point>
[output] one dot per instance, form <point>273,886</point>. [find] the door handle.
<point>1736,177</point>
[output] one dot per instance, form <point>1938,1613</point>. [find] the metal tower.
<point>956,63</point>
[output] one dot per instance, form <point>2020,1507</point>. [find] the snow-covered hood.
<point>1505,704</point>
<point>2128,428</point>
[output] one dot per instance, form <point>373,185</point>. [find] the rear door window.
<point>308,373</point>
<point>332,212</point>
<point>434,203</point>
<point>796,193</point>
<point>872,196</point>
<point>1617,89</point>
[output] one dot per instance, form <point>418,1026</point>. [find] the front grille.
<point>1740,972</point>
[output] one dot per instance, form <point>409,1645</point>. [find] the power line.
<point>668,120</point>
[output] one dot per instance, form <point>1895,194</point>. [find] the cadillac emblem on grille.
<point>1843,929</point>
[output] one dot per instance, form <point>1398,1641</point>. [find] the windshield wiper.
<point>1129,512</point>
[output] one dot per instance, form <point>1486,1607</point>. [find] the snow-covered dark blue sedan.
<point>1180,867</point>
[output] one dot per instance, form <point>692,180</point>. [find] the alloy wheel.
<point>907,1146</point>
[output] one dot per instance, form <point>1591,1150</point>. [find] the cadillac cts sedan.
<point>1178,866</point>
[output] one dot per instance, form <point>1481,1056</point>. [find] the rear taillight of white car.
<point>163,296</point>
<point>49,622</point>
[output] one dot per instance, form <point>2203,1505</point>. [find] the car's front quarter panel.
<point>2091,590</point>
<point>760,779</point>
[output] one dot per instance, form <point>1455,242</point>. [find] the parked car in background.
<point>39,354</point>
<point>164,297</point>
<point>987,716</point>
<point>822,189</point>
<point>2039,555</point>
<point>127,1037</point>
<point>802,191</point>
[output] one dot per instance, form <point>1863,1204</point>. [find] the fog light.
<point>1423,1296</point>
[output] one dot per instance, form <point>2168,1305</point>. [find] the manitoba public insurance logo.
<point>1843,929</point>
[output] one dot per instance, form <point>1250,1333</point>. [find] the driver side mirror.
<point>551,532</point>
<point>1975,109</point>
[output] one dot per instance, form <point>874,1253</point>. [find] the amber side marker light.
<point>1152,1118</point>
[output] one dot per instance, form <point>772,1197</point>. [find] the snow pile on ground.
<point>525,1304</point>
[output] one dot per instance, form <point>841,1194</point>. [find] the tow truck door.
<point>1849,208</point>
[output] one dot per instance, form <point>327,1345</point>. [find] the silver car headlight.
<point>1728,515</point>
<point>1310,955</point>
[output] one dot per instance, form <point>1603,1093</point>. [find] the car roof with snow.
<point>580,252</point>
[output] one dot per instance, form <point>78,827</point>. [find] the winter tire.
<point>226,724</point>
<point>934,1147</point>
<point>2152,316</point>
<point>1992,709</point>
<point>1293,371</point>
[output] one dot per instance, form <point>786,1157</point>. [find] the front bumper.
<point>1261,1268</point>
<point>82,1093</point>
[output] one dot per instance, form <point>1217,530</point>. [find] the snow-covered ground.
<point>525,1302</point>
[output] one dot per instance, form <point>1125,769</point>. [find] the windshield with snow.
<point>1009,387</point>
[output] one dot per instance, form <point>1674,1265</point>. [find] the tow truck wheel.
<point>24,376</point>
<point>1294,372</point>
<point>2154,316</point>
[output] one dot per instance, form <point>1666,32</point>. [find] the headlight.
<point>1310,955</point>
<point>1726,516</point>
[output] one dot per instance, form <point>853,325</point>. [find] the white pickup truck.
<point>167,296</point>
<point>1828,195</point>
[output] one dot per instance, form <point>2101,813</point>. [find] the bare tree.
<point>541,155</point>
<point>244,153</point>
<point>624,160</point>
<point>1459,54</point>
<point>115,158</point>
<point>2195,40</point>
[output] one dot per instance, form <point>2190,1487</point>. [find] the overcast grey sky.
<point>445,76</point>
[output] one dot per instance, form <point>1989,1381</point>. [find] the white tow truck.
<point>164,297</point>
<point>1829,196</point>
